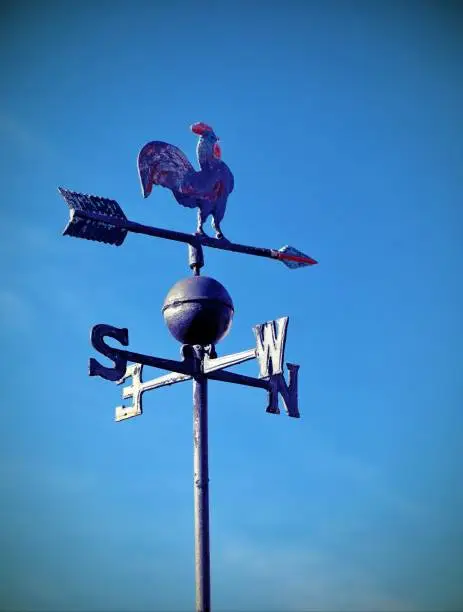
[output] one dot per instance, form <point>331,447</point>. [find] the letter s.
<point>120,361</point>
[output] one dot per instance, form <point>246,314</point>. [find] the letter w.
<point>270,346</point>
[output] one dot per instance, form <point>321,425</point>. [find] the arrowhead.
<point>293,258</point>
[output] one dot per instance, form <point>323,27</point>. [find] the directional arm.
<point>137,388</point>
<point>103,220</point>
<point>226,361</point>
<point>239,379</point>
<point>182,367</point>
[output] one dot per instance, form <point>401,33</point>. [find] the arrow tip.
<point>292,258</point>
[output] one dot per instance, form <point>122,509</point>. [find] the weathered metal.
<point>238,379</point>
<point>160,163</point>
<point>82,226</point>
<point>98,334</point>
<point>195,258</point>
<point>200,292</point>
<point>201,493</point>
<point>270,364</point>
<point>270,346</point>
<point>136,389</point>
<point>120,357</point>
<point>198,310</point>
<point>103,227</point>
<point>226,361</point>
<point>288,392</point>
<point>270,353</point>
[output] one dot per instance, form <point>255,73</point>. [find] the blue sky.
<point>342,124</point>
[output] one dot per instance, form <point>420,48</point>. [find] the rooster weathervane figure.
<point>160,163</point>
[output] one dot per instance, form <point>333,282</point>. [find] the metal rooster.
<point>160,163</point>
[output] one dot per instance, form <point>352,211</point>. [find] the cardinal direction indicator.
<point>137,387</point>
<point>103,220</point>
<point>288,392</point>
<point>270,346</point>
<point>269,351</point>
<point>120,357</point>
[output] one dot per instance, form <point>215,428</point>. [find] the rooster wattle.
<point>160,163</point>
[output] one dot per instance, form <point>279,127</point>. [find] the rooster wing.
<point>160,163</point>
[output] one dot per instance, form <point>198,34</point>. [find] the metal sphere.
<point>198,310</point>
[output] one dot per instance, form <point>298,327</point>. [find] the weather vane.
<point>198,310</point>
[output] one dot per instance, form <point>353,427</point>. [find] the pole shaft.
<point>201,495</point>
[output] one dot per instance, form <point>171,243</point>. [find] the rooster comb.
<point>201,128</point>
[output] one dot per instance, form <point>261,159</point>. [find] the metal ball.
<point>198,310</point>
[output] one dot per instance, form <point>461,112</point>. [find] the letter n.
<point>288,393</point>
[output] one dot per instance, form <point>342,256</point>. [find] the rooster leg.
<point>201,218</point>
<point>217,217</point>
<point>217,228</point>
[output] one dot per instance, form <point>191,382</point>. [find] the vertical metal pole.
<point>201,495</point>
<point>201,464</point>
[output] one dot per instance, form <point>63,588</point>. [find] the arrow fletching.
<point>292,258</point>
<point>105,229</point>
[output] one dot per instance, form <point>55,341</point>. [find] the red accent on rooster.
<point>217,151</point>
<point>200,128</point>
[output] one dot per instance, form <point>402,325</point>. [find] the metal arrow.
<point>101,219</point>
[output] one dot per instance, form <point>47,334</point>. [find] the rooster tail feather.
<point>146,179</point>
<point>160,163</point>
